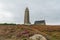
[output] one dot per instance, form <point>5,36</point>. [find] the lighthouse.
<point>26,17</point>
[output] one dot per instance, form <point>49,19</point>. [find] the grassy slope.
<point>15,32</point>
<point>52,31</point>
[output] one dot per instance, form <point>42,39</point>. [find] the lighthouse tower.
<point>26,17</point>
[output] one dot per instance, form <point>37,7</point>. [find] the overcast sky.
<point>12,11</point>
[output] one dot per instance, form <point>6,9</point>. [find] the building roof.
<point>41,21</point>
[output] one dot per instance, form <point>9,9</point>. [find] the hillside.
<point>16,32</point>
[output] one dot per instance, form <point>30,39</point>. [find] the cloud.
<point>2,5</point>
<point>6,16</point>
<point>39,9</point>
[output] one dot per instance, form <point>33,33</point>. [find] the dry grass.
<point>16,32</point>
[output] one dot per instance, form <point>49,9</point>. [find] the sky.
<point>12,11</point>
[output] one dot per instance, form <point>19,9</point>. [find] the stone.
<point>37,37</point>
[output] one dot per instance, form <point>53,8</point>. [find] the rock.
<point>37,37</point>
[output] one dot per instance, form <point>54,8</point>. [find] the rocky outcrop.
<point>38,37</point>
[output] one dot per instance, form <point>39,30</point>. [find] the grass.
<point>16,32</point>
